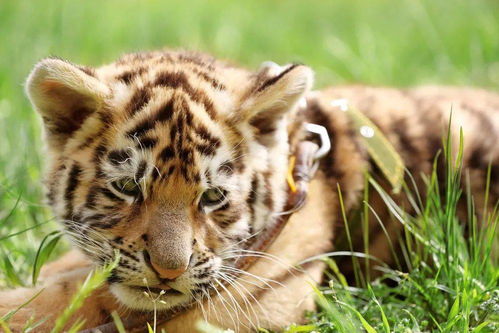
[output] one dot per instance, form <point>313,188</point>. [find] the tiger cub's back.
<point>415,121</point>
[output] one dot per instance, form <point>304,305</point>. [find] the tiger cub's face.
<point>171,158</point>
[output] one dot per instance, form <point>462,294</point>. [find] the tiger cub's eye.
<point>212,197</point>
<point>127,186</point>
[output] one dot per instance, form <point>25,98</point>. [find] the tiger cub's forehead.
<point>203,79</point>
<point>170,115</point>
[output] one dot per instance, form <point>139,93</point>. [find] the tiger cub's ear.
<point>275,92</point>
<point>65,95</point>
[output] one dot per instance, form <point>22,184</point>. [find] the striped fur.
<point>177,123</point>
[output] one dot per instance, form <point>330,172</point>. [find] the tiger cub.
<point>174,159</point>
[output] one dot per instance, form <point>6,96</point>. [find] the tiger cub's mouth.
<point>159,290</point>
<point>149,297</point>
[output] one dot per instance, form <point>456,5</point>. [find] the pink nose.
<point>166,273</point>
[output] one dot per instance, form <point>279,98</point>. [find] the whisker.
<point>211,303</point>
<point>265,256</point>
<point>223,302</point>
<point>231,281</point>
<point>243,297</point>
<point>236,307</point>
<point>266,281</point>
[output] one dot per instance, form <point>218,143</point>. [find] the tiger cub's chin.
<point>138,298</point>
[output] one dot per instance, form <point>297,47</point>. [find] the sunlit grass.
<point>451,278</point>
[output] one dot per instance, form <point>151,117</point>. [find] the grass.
<point>451,283</point>
<point>382,42</point>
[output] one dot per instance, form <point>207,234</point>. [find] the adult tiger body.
<point>175,159</point>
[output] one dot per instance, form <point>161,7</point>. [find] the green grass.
<point>382,42</point>
<point>451,280</point>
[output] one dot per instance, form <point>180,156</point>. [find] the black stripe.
<point>167,153</point>
<point>186,156</point>
<point>87,70</point>
<point>211,80</point>
<point>197,59</point>
<point>178,80</point>
<point>230,218</point>
<point>53,183</point>
<point>148,143</point>
<point>105,223</point>
<point>141,128</point>
<point>171,169</point>
<point>117,157</point>
<point>165,112</point>
<point>207,149</point>
<point>99,152</point>
<point>269,200</point>
<point>274,79</point>
<point>186,112</point>
<point>94,218</point>
<point>252,197</point>
<point>87,142</point>
<point>173,132</point>
<point>72,184</point>
<point>114,278</point>
<point>205,135</point>
<point>173,80</point>
<point>139,100</point>
<point>110,195</point>
<point>196,178</point>
<point>106,118</point>
<point>140,171</point>
<point>207,175</point>
<point>155,174</point>
<point>226,167</point>
<point>128,76</point>
<point>185,172</point>
<point>91,197</point>
<point>129,255</point>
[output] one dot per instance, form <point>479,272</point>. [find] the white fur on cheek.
<point>274,159</point>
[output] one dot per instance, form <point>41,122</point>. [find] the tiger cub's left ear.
<point>275,92</point>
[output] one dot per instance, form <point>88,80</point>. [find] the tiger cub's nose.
<point>168,273</point>
<point>167,270</point>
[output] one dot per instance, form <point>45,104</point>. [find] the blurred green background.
<point>380,42</point>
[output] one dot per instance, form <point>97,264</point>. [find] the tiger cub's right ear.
<point>65,95</point>
<point>273,94</point>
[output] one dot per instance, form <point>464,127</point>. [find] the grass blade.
<point>9,314</point>
<point>117,322</point>
<point>93,281</point>
<point>46,247</point>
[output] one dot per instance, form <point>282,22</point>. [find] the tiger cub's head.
<point>172,158</point>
